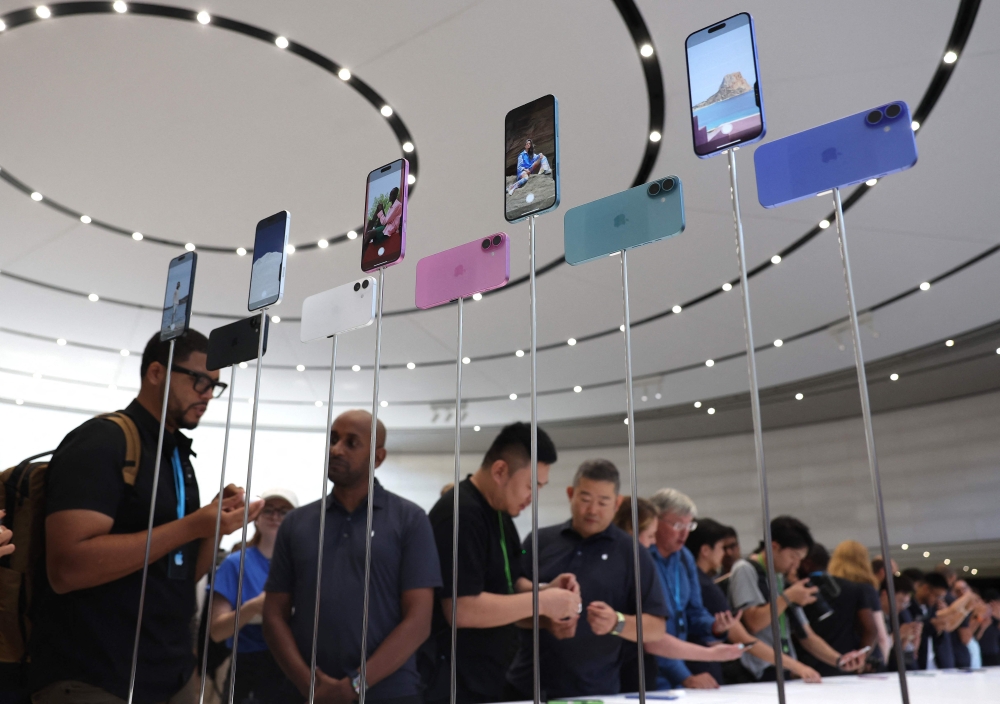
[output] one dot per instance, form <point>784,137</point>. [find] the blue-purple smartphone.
<point>727,108</point>
<point>870,144</point>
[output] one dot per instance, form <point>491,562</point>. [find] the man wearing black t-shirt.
<point>494,595</point>
<point>95,540</point>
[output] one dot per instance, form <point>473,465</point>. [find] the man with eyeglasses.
<point>95,542</point>
<point>688,618</point>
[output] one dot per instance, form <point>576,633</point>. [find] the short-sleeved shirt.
<point>840,630</point>
<point>715,601</point>
<point>88,634</point>
<point>403,558</point>
<point>255,569</point>
<point>489,552</point>
<point>587,664</point>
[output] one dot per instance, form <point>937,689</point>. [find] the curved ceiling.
<point>199,134</point>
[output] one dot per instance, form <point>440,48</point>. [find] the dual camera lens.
<point>361,284</point>
<point>892,111</point>
<point>492,242</point>
<point>664,186</point>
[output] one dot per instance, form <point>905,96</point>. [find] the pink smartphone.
<point>475,267</point>
<point>384,240</point>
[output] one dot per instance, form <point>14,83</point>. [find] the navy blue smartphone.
<point>531,159</point>
<point>727,108</point>
<point>869,144</point>
<point>176,316</point>
<point>632,218</point>
<point>267,273</point>
<point>235,343</point>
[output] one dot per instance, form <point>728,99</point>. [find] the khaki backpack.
<point>22,495</point>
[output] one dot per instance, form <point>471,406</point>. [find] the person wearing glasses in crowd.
<point>256,669</point>
<point>95,542</point>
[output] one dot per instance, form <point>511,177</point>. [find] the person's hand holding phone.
<point>800,592</point>
<point>724,620</point>
<point>853,661</point>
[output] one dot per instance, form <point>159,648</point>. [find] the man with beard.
<point>404,574</point>
<point>87,603</point>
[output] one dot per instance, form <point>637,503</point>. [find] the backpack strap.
<point>133,446</point>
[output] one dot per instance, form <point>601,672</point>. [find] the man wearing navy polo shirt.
<point>584,656</point>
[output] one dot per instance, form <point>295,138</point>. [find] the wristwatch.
<point>356,684</point>
<point>620,626</point>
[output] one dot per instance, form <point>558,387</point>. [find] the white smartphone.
<point>338,310</point>
<point>267,274</point>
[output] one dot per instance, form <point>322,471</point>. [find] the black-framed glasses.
<point>202,382</point>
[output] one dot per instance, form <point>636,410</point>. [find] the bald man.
<point>404,573</point>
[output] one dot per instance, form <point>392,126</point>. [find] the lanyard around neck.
<point>503,549</point>
<point>782,618</point>
<point>179,487</point>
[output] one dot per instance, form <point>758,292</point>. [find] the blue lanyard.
<point>181,492</point>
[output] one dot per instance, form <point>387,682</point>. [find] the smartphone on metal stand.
<point>267,273</point>
<point>475,267</point>
<point>338,310</point>
<point>176,318</point>
<point>235,343</point>
<point>531,159</point>
<point>727,108</point>
<point>384,237</point>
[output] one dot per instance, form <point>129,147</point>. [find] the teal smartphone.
<point>647,213</point>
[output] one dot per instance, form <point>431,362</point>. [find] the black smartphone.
<point>531,159</point>
<point>176,317</point>
<point>267,273</point>
<point>235,343</point>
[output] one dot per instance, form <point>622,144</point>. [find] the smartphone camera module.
<point>357,286</point>
<point>667,184</point>
<point>653,190</point>
<point>874,117</point>
<point>486,243</point>
<point>497,239</point>
<point>364,284</point>
<point>893,110</point>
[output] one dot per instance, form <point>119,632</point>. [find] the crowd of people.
<point>705,617</point>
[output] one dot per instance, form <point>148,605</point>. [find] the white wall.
<point>940,471</point>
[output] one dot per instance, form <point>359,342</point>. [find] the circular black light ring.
<point>48,13</point>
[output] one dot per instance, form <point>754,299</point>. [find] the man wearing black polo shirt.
<point>95,541</point>
<point>494,595</point>
<point>404,574</point>
<point>601,556</point>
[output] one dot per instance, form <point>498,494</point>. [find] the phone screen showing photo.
<point>385,216</point>
<point>726,107</point>
<point>267,270</point>
<point>177,299</point>
<point>531,166</point>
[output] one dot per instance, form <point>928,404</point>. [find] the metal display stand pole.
<point>152,510</point>
<point>635,482</point>
<point>246,507</point>
<point>322,523</point>
<point>866,413</point>
<point>758,436</point>
<point>454,531</point>
<point>218,528</point>
<point>363,670</point>
<point>536,668</point>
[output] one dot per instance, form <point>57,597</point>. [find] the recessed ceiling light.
<point>19,402</point>
<point>621,328</point>
<point>189,246</point>
<point>386,111</point>
<point>120,6</point>
<point>697,404</point>
<point>905,546</point>
<point>871,182</point>
<point>352,235</point>
<point>915,125</point>
<point>950,57</point>
<point>655,136</point>
<point>290,249</point>
<point>137,236</point>
<point>204,17</point>
<point>894,377</point>
<point>466,360</point>
<point>925,286</point>
<point>240,251</point>
<point>36,196</point>
<point>476,428</point>
<point>657,395</point>
<point>407,147</point>
<point>513,397</point>
<point>411,179</point>
<point>344,74</point>
<point>519,353</point>
<point>281,42</point>
<point>626,421</point>
<point>727,286</point>
<point>411,365</point>
<point>2,26</point>
<point>709,362</point>
<point>676,310</point>
<point>61,342</point>
<point>45,13</point>
<point>300,367</point>
<point>93,298</point>
<point>644,398</point>
<point>949,343</point>
<point>646,50</point>
<point>322,244</point>
<point>124,353</point>
<point>799,397</point>
<point>571,341</point>
<point>824,223</point>
<point>275,319</point>
<point>355,367</point>
<point>779,343</point>
<point>946,561</point>
<point>975,571</point>
<point>998,350</point>
<point>477,296</point>
<point>577,389</point>
<point>776,259</point>
<point>383,404</point>
<point>243,365</point>
<point>711,411</point>
<point>926,554</point>
<point>85,219</point>
<point>318,404</point>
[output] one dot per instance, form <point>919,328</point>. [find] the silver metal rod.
<point>635,480</point>
<point>454,530</point>
<point>363,670</point>
<point>537,688</point>
<point>866,413</point>
<point>218,528</point>
<point>246,507</point>
<point>758,435</point>
<point>322,522</point>
<point>152,510</point>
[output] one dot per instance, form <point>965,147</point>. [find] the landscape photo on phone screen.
<point>383,217</point>
<point>530,158</point>
<point>265,274</point>
<point>178,295</point>
<point>723,80</point>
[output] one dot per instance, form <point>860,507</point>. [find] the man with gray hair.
<point>688,618</point>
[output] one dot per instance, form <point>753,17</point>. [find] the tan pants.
<point>73,692</point>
